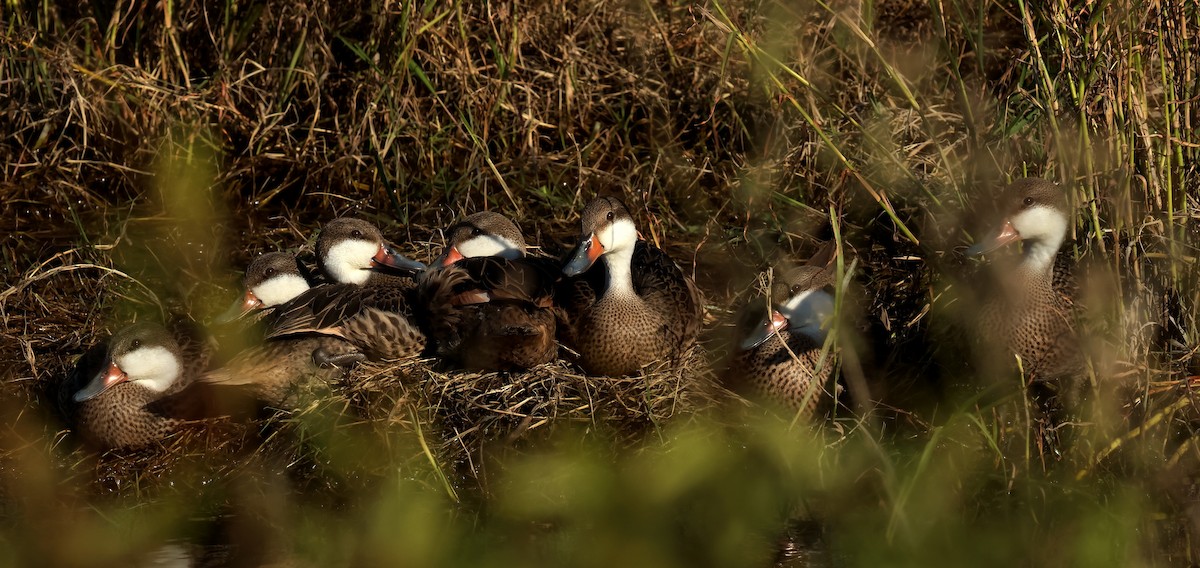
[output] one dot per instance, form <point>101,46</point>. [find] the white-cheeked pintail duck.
<point>489,306</point>
<point>276,370</point>
<point>371,306</point>
<point>633,307</point>
<point>1030,311</point>
<point>128,392</point>
<point>779,360</point>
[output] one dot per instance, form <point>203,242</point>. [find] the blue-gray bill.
<point>109,377</point>
<point>769,326</point>
<point>388,257</point>
<point>1005,235</point>
<point>584,257</point>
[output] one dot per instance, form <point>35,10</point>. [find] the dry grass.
<point>151,149</point>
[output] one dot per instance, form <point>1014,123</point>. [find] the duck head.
<point>348,249</point>
<point>608,229</point>
<point>1035,212</point>
<point>482,234</point>
<point>144,354</point>
<point>804,304</point>
<point>272,279</point>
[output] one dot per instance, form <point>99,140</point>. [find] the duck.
<point>141,385</point>
<point>488,305</point>
<point>272,279</point>
<point>780,360</point>
<point>626,304</point>
<point>1029,308</point>
<point>369,304</point>
<point>130,391</point>
<point>276,370</point>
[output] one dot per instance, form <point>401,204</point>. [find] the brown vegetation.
<point>151,149</point>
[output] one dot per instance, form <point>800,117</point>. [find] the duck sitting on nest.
<point>1029,311</point>
<point>780,360</point>
<point>130,391</point>
<point>488,305</point>
<point>370,306</point>
<point>634,306</point>
<point>277,369</point>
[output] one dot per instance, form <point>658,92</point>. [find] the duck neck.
<point>1039,256</point>
<point>620,277</point>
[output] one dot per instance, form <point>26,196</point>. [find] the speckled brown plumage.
<point>619,327</point>
<point>787,369</point>
<point>1034,320</point>
<point>126,416</point>
<point>375,319</point>
<point>1028,309</point>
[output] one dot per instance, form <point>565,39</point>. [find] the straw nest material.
<point>418,412</point>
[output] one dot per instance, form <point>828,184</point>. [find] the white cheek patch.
<point>155,368</point>
<point>280,289</point>
<point>808,312</point>
<point>349,262</point>
<point>1040,222</point>
<point>619,235</point>
<point>489,245</point>
<point>1044,228</point>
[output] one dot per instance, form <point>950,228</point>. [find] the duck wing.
<point>375,319</point>
<point>507,335</point>
<point>574,297</point>
<point>279,369</point>
<point>527,280</point>
<point>324,309</point>
<point>664,286</point>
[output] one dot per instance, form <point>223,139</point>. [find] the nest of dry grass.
<point>457,419</point>
<point>471,419</point>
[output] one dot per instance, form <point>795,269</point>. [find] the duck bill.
<point>387,256</point>
<point>104,380</point>
<point>585,256</point>
<point>769,327</point>
<point>248,303</point>
<point>1005,236</point>
<point>450,257</point>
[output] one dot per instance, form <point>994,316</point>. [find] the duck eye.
<point>270,272</point>
<point>609,216</point>
<point>1028,201</point>
<point>796,289</point>
<point>356,234</point>
<point>476,232</point>
<point>135,344</point>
